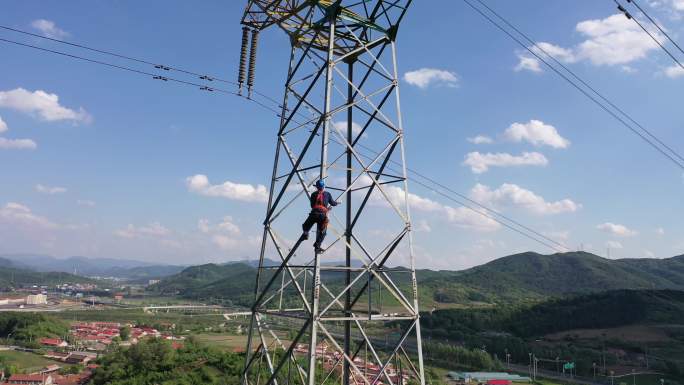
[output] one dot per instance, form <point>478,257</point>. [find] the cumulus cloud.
<point>226,235</point>
<point>616,229</point>
<point>236,191</point>
<point>425,77</point>
<point>49,29</point>
<point>50,190</point>
<point>537,133</point>
<point>675,8</point>
<point>41,104</point>
<point>660,231</point>
<point>527,63</point>
<point>514,195</point>
<point>459,216</point>
<point>17,144</point>
<point>674,71</point>
<point>480,139</point>
<point>614,40</point>
<point>154,229</point>
<point>480,163</point>
<point>422,226</point>
<point>341,127</point>
<point>14,144</point>
<point>18,214</point>
<point>227,225</point>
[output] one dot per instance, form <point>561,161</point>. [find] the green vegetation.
<point>517,329</point>
<point>226,284</point>
<point>531,277</point>
<point>12,361</point>
<point>590,311</point>
<point>14,277</point>
<point>28,328</point>
<point>521,279</point>
<point>458,357</point>
<point>156,362</point>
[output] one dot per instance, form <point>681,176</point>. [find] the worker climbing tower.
<point>348,314</point>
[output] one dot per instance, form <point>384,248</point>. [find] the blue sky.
<point>107,157</point>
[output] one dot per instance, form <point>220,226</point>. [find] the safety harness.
<point>319,205</point>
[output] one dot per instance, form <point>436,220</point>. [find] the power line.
<point>629,16</point>
<point>485,213</point>
<point>671,156</point>
<point>657,25</point>
<point>582,81</point>
<point>120,67</point>
<point>158,66</point>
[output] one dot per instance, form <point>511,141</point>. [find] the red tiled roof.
<point>26,377</point>
<point>51,341</point>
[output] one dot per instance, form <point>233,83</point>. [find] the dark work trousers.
<point>321,221</point>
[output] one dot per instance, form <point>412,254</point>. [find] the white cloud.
<point>86,203</point>
<point>424,77</point>
<point>49,29</point>
<point>614,245</point>
<point>341,127</point>
<point>616,229</point>
<point>674,8</point>
<point>480,139</point>
<point>614,40</point>
<point>511,194</point>
<point>537,133</point>
<point>18,214</point>
<point>17,144</point>
<point>469,219</point>
<point>42,104</point>
<point>628,69</point>
<point>674,71</point>
<point>154,229</point>
<point>50,190</point>
<point>527,63</point>
<point>226,235</point>
<point>3,125</point>
<point>236,191</point>
<point>422,226</point>
<point>660,231</point>
<point>459,216</point>
<point>480,163</point>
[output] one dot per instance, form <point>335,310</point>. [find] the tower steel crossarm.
<point>343,80</point>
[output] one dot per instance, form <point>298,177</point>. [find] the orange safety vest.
<point>318,205</point>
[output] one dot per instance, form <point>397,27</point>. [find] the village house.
<point>53,342</point>
<point>29,379</point>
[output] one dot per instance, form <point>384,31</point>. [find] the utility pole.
<point>342,87</point>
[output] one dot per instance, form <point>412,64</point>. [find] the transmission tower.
<point>348,314</point>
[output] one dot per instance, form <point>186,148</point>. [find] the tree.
<point>125,333</point>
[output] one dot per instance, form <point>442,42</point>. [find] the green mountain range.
<point>15,277</point>
<point>515,278</point>
<point>535,276</point>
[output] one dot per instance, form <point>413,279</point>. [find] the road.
<point>547,374</point>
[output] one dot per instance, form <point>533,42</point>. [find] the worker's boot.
<point>305,235</point>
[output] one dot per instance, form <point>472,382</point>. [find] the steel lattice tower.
<point>348,314</point>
